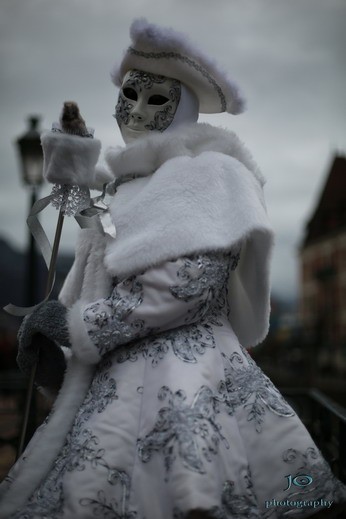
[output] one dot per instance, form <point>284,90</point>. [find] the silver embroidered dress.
<point>178,416</point>
<point>162,411</point>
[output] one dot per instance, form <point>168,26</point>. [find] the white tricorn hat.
<point>164,51</point>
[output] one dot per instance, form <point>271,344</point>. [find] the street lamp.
<point>31,160</point>
<point>30,153</point>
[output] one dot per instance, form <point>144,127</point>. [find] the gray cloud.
<point>287,57</point>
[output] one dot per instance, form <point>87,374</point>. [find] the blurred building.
<point>323,273</point>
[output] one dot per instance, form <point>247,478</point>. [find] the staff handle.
<point>31,382</point>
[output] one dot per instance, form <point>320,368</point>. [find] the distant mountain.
<point>13,274</point>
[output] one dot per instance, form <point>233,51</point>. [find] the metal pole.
<point>29,407</point>
<point>31,283</point>
<point>31,274</point>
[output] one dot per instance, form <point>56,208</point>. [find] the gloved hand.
<point>48,321</point>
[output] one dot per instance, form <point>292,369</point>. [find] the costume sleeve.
<point>164,297</point>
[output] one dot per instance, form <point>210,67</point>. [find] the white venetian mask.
<point>147,102</point>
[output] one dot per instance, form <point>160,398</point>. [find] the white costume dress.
<point>162,410</point>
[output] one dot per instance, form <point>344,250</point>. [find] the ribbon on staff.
<point>70,200</point>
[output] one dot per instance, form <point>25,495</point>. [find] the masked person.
<point>162,413</point>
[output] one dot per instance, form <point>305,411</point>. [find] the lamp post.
<point>31,160</point>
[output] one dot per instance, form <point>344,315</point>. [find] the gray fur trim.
<point>48,320</point>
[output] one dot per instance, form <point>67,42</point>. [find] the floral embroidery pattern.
<point>106,319</point>
<point>203,279</point>
<point>188,342</point>
<point>185,431</point>
<point>95,457</point>
<point>246,385</point>
<point>235,505</point>
<point>185,342</point>
<point>103,391</point>
<point>241,506</point>
<point>201,273</point>
<point>106,509</point>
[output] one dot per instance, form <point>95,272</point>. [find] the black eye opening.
<point>130,93</point>
<point>157,99</point>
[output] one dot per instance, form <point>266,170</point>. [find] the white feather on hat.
<point>164,51</point>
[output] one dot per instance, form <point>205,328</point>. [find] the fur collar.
<point>148,154</point>
<point>198,190</point>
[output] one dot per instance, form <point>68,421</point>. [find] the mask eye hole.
<point>157,99</point>
<point>130,93</point>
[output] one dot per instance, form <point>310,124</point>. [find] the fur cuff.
<point>82,347</point>
<point>69,159</point>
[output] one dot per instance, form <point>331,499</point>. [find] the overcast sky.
<point>287,57</point>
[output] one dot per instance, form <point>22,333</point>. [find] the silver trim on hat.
<point>188,61</point>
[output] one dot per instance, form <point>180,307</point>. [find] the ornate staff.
<point>69,199</point>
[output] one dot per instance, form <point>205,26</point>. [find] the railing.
<point>325,421</point>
